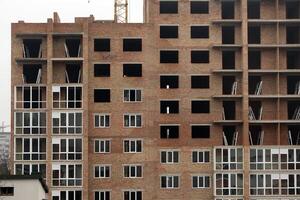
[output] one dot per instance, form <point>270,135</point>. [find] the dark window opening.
<point>169,82</point>
<point>230,135</point>
<point>293,108</point>
<point>254,34</point>
<point>292,35</point>
<point>132,70</point>
<point>256,135</point>
<point>229,85</point>
<point>101,70</point>
<point>102,44</point>
<point>255,110</point>
<point>228,59</point>
<point>200,106</point>
<point>228,34</point>
<point>199,7</point>
<point>73,73</point>
<point>132,44</point>
<point>255,85</point>
<point>227,9</point>
<point>168,56</point>
<point>294,134</point>
<point>199,56</point>
<point>293,59</point>
<point>168,7</point>
<point>293,85</point>
<point>101,95</point>
<point>292,9</point>
<point>200,131</point>
<point>73,47</point>
<point>169,131</point>
<point>229,110</point>
<point>168,31</point>
<point>6,191</point>
<point>32,73</point>
<point>199,82</point>
<point>169,107</point>
<point>253,9</point>
<point>254,59</point>
<point>32,48</point>
<point>199,32</point>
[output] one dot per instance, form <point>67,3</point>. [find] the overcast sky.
<point>38,11</point>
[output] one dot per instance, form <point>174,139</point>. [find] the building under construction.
<point>201,101</point>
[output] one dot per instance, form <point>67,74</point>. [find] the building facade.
<point>201,101</point>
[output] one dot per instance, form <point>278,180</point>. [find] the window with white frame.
<point>102,171</point>
<point>228,158</point>
<point>200,181</point>
<point>132,95</point>
<point>67,122</point>
<point>66,175</point>
<point>200,156</point>
<point>102,195</point>
<point>132,146</point>
<point>229,184</point>
<point>169,156</point>
<point>30,148</point>
<point>290,159</point>
<point>169,181</point>
<point>67,96</point>
<point>132,195</point>
<point>30,169</point>
<point>132,120</point>
<point>66,194</point>
<point>133,171</point>
<point>102,120</point>
<point>66,149</point>
<point>30,122</point>
<point>29,97</point>
<point>102,145</point>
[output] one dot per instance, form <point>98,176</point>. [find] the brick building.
<point>201,101</point>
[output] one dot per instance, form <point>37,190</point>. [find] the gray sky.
<point>39,11</point>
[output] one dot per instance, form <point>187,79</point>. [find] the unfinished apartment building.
<point>201,101</point>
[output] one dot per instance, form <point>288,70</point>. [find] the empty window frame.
<point>32,73</point>
<point>67,96</point>
<point>169,81</point>
<point>73,73</point>
<point>66,194</point>
<point>102,120</point>
<point>199,56</point>
<point>168,31</point>
<point>132,171</point>
<point>253,9</point>
<point>200,131</point>
<point>102,195</point>
<point>199,7</point>
<point>66,149</point>
<point>102,171</point>
<point>32,48</point>
<point>200,106</point>
<point>101,95</point>
<point>169,56</point>
<point>168,7</point>
<point>292,34</point>
<point>169,106</point>
<point>199,82</point>
<point>30,148</point>
<point>30,169</point>
<point>102,145</point>
<point>102,70</point>
<point>132,120</point>
<point>102,45</point>
<point>199,31</point>
<point>6,191</point>
<point>132,44</point>
<point>169,181</point>
<point>228,158</point>
<point>254,59</point>
<point>254,34</point>
<point>255,85</point>
<point>132,70</point>
<point>66,123</point>
<point>132,195</point>
<point>294,134</point>
<point>292,9</point>
<point>132,95</point>
<point>229,184</point>
<point>200,156</point>
<point>227,9</point>
<point>169,156</point>
<point>132,146</point>
<point>30,123</point>
<point>30,97</point>
<point>293,59</point>
<point>73,47</point>
<point>230,135</point>
<point>293,110</point>
<point>228,34</point>
<point>228,85</point>
<point>200,181</point>
<point>228,59</point>
<point>66,175</point>
<point>169,131</point>
<point>228,110</point>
